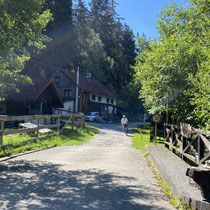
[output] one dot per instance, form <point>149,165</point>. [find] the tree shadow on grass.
<point>79,134</point>
<point>42,185</point>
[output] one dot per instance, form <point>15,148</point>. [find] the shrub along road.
<point>103,173</point>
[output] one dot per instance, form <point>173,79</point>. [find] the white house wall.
<point>69,105</point>
<point>103,100</point>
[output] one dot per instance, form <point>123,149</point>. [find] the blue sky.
<point>141,15</point>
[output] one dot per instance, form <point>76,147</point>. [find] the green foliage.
<point>88,46</point>
<point>119,44</point>
<point>177,64</point>
<point>201,97</point>
<point>142,138</point>
<point>129,100</point>
<point>21,25</point>
<point>174,201</point>
<point>62,16</point>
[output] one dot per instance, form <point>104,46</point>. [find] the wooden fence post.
<point>59,120</point>
<point>200,149</point>
<point>165,136</point>
<point>83,122</point>
<point>72,123</point>
<point>2,129</point>
<point>173,138</point>
<point>184,144</point>
<point>78,122</point>
<point>164,130</point>
<point>38,123</point>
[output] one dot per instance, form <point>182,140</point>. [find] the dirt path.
<point>104,173</point>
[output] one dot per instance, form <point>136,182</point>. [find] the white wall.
<point>68,105</point>
<point>103,100</point>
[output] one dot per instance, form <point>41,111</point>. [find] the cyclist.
<point>124,122</point>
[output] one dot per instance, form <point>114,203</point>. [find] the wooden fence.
<point>191,143</point>
<point>39,123</point>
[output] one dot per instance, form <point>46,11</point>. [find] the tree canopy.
<point>21,31</point>
<point>175,68</point>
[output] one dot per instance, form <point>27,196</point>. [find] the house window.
<point>112,101</point>
<point>57,79</point>
<point>93,97</point>
<point>107,100</point>
<point>84,96</point>
<point>67,93</point>
<point>99,98</point>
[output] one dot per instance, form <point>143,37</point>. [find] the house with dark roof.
<point>93,95</point>
<point>41,97</point>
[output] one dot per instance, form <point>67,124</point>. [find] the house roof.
<point>90,85</point>
<point>31,92</point>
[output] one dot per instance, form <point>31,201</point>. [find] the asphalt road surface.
<point>104,173</point>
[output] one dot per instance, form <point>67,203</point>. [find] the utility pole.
<point>77,91</point>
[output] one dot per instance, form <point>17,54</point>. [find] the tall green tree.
<point>21,27</point>
<point>62,16</point>
<point>173,66</point>
<point>103,19</point>
<point>59,52</point>
<point>119,44</point>
<point>118,40</point>
<point>88,47</point>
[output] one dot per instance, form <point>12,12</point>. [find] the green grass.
<point>16,138</point>
<point>142,138</point>
<point>68,137</point>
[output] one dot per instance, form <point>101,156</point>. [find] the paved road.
<point>104,173</point>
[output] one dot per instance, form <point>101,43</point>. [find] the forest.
<point>168,73</point>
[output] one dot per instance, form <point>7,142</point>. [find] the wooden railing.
<point>191,143</point>
<point>40,122</point>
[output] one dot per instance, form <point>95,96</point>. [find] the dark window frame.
<point>57,79</point>
<point>99,98</point>
<point>107,100</point>
<point>93,97</point>
<point>112,101</point>
<point>67,93</point>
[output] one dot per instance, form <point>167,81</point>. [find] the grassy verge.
<point>68,137</point>
<point>140,140</point>
<point>166,189</point>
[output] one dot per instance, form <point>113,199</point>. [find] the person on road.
<point>124,122</point>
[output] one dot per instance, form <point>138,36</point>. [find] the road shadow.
<point>42,185</point>
<point>114,127</point>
